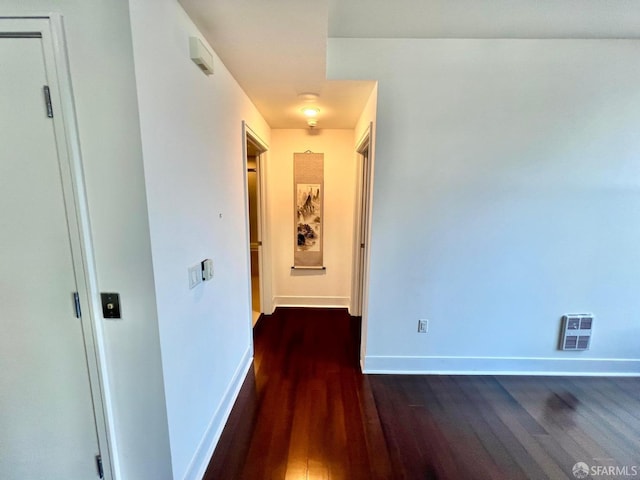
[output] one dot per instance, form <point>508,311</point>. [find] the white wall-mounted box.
<point>201,55</point>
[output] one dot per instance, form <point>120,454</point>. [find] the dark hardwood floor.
<point>306,412</point>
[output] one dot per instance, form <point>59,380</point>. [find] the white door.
<point>47,422</point>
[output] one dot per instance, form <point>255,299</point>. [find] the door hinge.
<point>47,100</point>
<point>76,302</point>
<point>99,466</point>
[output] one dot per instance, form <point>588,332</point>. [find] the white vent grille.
<point>576,331</point>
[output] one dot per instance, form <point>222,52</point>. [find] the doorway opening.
<point>255,155</point>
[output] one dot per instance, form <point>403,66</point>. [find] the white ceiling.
<point>276,49</point>
<point>484,18</point>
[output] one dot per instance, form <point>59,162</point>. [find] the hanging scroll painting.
<point>309,217</point>
<point>308,175</point>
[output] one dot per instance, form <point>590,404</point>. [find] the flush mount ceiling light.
<point>311,112</point>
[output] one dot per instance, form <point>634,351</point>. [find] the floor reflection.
<point>560,408</point>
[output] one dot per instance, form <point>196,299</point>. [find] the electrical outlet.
<point>423,326</point>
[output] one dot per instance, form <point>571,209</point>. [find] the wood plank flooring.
<point>306,412</point>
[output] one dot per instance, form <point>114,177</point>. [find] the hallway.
<point>304,411</point>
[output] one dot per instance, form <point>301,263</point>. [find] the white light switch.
<point>195,275</point>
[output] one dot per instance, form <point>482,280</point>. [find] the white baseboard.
<point>300,301</point>
<point>202,456</point>
<point>501,366</point>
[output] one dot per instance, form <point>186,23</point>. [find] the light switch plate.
<point>195,275</point>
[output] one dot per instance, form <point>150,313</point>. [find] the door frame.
<point>362,233</point>
<point>50,26</point>
<point>264,264</point>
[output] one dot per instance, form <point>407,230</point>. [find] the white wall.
<point>312,288</point>
<point>368,116</point>
<point>192,143</point>
<point>506,194</point>
<point>101,62</point>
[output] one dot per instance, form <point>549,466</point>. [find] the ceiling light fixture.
<point>311,112</point>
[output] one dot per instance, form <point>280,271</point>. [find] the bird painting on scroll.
<point>309,214</point>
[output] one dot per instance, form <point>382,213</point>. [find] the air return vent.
<point>576,331</point>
